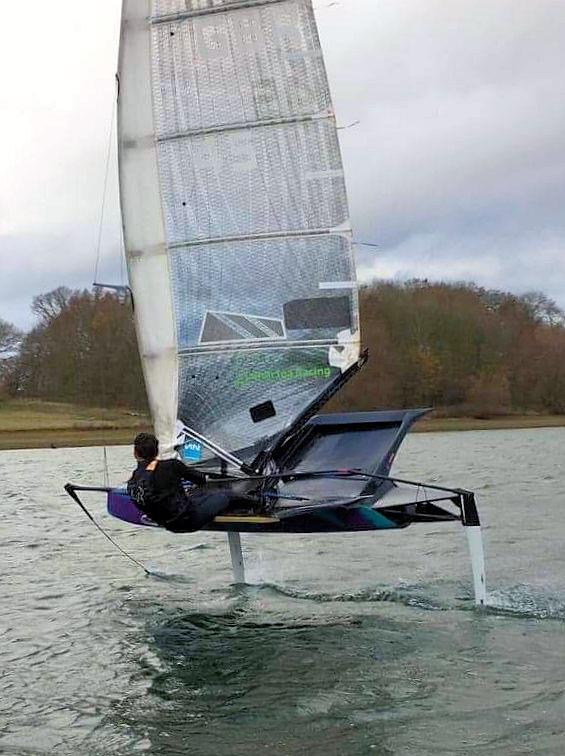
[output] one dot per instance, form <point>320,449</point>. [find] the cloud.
<point>490,261</point>
<point>56,101</point>
<point>457,168</point>
<point>32,264</point>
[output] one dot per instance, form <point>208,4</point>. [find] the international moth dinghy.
<point>242,275</point>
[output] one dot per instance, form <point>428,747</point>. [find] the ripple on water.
<point>343,644</point>
<point>523,601</point>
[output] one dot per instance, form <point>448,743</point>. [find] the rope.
<point>349,126</point>
<point>70,490</point>
<point>105,192</point>
<point>366,244</point>
<point>117,545</point>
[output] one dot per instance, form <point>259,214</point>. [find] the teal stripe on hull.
<point>379,521</point>
<point>362,516</point>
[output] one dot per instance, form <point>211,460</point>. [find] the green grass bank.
<point>33,424</point>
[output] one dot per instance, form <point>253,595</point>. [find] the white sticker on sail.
<point>328,285</point>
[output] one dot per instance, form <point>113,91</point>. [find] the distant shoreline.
<point>33,424</point>
<point>29,424</point>
<point>65,439</point>
<point>503,422</point>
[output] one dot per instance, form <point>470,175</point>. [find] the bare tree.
<point>49,306</point>
<point>543,309</point>
<point>83,350</point>
<point>10,338</point>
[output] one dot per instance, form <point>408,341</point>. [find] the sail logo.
<point>192,451</point>
<point>298,373</point>
<point>245,33</point>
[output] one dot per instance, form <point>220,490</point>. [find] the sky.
<point>456,169</point>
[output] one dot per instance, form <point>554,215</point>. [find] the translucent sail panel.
<point>221,393</point>
<point>255,214</point>
<point>294,290</point>
<point>261,328</point>
<point>269,179</point>
<point>243,66</point>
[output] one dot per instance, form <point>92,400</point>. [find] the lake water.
<point>345,644</point>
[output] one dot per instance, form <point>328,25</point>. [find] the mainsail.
<point>235,215</point>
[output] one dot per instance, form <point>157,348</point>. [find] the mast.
<point>143,223</point>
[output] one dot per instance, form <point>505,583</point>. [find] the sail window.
<point>221,327</point>
<point>322,312</point>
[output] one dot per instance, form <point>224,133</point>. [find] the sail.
<point>235,215</point>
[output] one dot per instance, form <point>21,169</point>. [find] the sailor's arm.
<point>186,473</point>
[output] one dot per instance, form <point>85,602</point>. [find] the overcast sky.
<point>456,169</point>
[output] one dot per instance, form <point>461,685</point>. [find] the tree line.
<point>456,347</point>
<point>460,348</point>
<point>82,350</point>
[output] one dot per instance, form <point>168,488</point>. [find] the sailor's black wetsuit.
<point>160,494</point>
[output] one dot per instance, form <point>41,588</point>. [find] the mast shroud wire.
<point>105,190</point>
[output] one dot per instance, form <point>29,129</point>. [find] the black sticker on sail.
<point>263,412</point>
<point>321,312</point>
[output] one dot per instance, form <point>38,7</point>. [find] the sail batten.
<point>256,346</point>
<point>255,237</point>
<point>209,8</point>
<point>248,214</point>
<point>248,125</point>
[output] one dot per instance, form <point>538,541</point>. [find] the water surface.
<point>342,644</point>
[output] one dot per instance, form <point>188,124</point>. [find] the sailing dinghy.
<point>240,263</point>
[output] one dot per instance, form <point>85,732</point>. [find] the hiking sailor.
<point>158,489</point>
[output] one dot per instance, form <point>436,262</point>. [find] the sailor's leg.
<point>199,509</point>
<point>472,526</point>
<point>237,563</point>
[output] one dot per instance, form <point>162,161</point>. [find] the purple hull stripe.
<point>121,506</point>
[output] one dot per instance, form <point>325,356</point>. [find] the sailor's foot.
<point>248,504</point>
